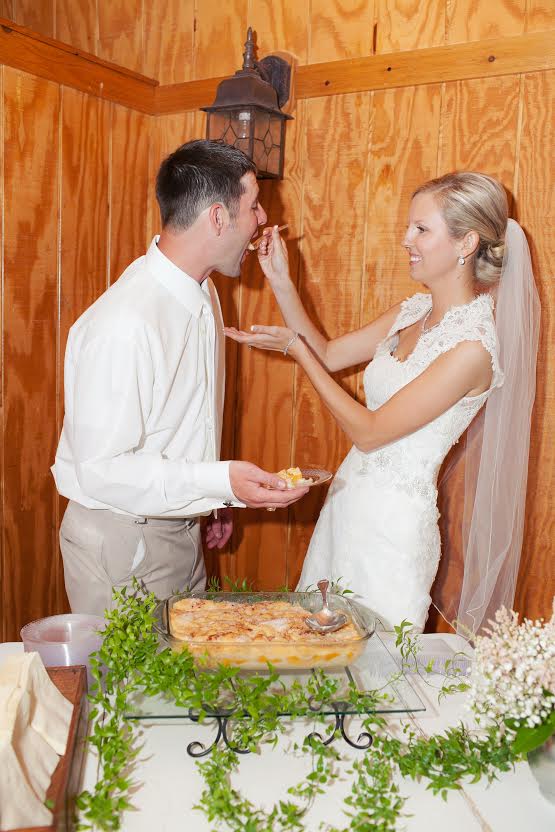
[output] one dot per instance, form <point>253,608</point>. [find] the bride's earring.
<point>462,261</point>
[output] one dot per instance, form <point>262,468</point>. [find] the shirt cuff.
<point>212,480</point>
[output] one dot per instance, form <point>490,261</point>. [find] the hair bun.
<point>497,249</point>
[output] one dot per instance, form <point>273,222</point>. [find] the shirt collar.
<point>186,289</point>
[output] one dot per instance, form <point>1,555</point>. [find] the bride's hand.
<point>273,256</point>
<point>276,338</point>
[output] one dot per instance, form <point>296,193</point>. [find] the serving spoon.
<point>325,620</point>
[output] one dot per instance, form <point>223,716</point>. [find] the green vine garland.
<point>130,661</point>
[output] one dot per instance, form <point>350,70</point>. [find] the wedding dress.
<point>378,529</point>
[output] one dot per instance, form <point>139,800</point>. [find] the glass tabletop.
<point>375,670</point>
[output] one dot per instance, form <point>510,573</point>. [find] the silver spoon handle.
<point>323,586</point>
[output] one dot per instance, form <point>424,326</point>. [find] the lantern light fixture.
<point>247,112</point>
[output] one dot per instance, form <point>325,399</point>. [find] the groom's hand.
<point>259,489</point>
<point>218,529</point>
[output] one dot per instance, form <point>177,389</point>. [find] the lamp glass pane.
<point>262,124</point>
<point>244,145</point>
<point>217,125</point>
<point>273,163</point>
<point>260,155</point>
<point>276,130</point>
<point>242,122</point>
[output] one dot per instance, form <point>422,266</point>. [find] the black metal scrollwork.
<point>364,739</point>
<point>340,709</point>
<point>222,719</point>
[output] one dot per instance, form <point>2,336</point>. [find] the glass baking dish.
<point>284,655</point>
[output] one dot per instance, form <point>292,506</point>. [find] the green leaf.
<point>527,739</point>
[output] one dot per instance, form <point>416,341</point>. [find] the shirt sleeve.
<point>111,402</point>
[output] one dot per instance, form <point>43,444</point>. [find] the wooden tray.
<point>66,780</point>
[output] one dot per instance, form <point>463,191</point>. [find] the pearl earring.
<point>462,261</point>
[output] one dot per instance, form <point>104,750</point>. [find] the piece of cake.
<point>293,477</point>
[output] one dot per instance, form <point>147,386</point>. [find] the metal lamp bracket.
<point>277,72</point>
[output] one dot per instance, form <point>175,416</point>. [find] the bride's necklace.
<point>425,321</point>
<point>423,328</point>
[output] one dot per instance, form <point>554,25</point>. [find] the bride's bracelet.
<point>290,343</point>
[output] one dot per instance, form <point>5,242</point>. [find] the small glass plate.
<point>316,475</point>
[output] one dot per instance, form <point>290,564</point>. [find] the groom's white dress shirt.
<point>144,385</point>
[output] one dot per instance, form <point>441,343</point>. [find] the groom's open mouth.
<point>248,248</point>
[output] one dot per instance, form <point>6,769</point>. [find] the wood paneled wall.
<point>74,197</point>
<point>78,207</point>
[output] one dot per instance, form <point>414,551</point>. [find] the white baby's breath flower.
<point>513,673</point>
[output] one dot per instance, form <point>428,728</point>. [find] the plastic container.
<point>64,640</point>
<point>284,655</point>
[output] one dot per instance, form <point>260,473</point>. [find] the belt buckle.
<point>141,521</point>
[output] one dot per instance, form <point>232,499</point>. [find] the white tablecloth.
<point>168,784</point>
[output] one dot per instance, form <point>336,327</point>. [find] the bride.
<point>435,360</point>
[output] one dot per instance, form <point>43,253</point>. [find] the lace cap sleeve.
<point>412,309</point>
<point>473,322</point>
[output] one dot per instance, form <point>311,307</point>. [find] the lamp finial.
<point>248,54</point>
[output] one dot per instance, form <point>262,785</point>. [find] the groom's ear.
<point>218,218</point>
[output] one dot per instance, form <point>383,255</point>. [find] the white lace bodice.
<point>378,532</point>
<point>412,463</point>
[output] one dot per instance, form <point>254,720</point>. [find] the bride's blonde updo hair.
<point>474,202</point>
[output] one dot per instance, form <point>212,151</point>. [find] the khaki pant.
<point>102,550</point>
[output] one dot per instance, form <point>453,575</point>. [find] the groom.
<point>144,389</point>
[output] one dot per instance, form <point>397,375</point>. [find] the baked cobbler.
<point>200,620</point>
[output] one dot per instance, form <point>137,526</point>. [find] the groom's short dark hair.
<point>195,176</point>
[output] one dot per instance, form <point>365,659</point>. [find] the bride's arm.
<point>337,353</point>
<point>463,371</point>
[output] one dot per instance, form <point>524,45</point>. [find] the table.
<point>169,785</point>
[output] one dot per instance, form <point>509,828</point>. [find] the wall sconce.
<point>247,110</point>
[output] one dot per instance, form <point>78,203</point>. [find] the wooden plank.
<point>527,53</point>
<point>120,33</point>
<point>264,436</point>
<point>37,16</point>
<point>280,27</point>
<point>330,281</point>
<point>400,159</point>
<point>220,35</point>
<point>277,27</point>
<point>470,20</point>
<point>7,9</point>
<point>84,208</point>
<point>84,227</point>
<point>58,62</point>
<point>493,104</point>
<point>31,116</point>
<point>53,60</point>
<point>340,29</point>
<point>532,52</point>
<point>168,40</point>
<point>539,15</point>
<point>167,133</point>
<point>536,212</point>
<point>129,188</point>
<point>76,23</point>
<point>403,24</point>
<point>191,95</point>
